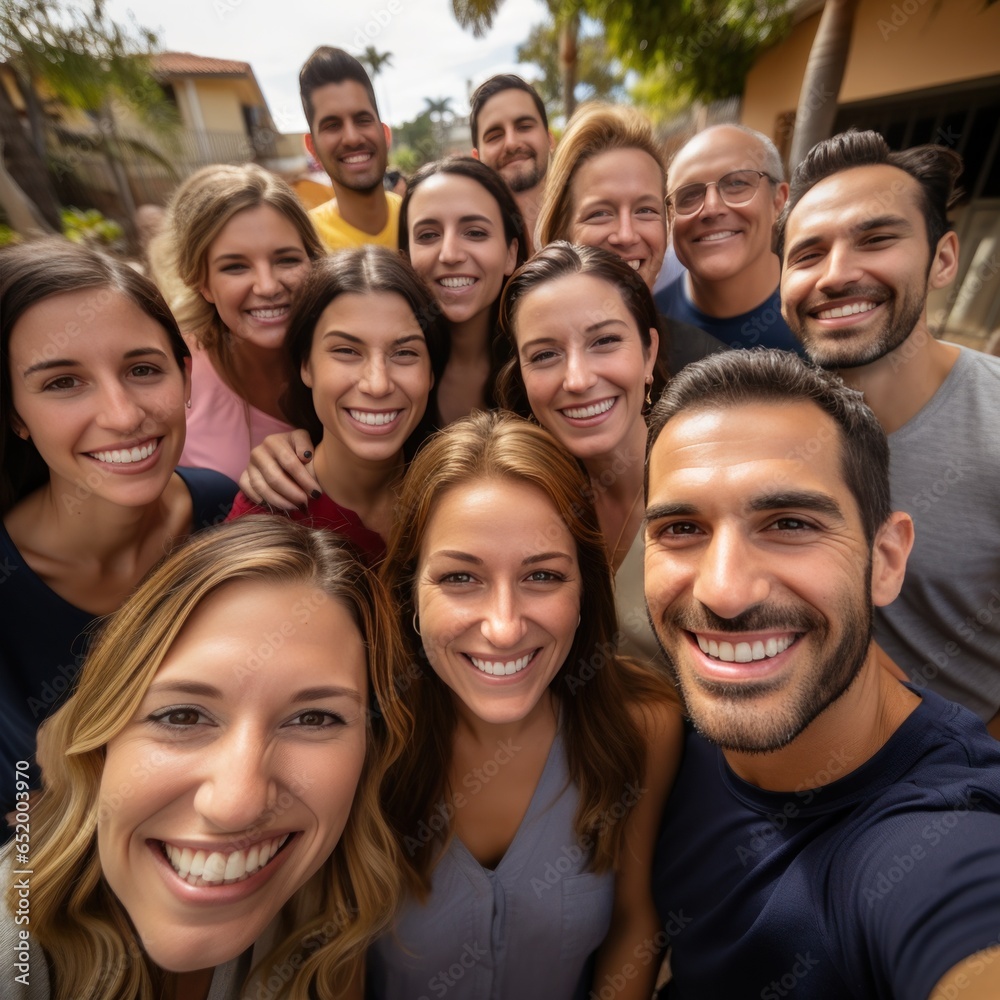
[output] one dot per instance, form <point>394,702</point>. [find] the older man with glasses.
<point>725,189</point>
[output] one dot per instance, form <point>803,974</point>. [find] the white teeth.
<point>716,236</point>
<point>274,313</point>
<point>461,282</point>
<point>634,264</point>
<point>851,310</point>
<point>593,410</point>
<point>744,652</point>
<point>216,868</point>
<point>374,419</point>
<point>357,158</point>
<point>125,456</point>
<point>500,668</point>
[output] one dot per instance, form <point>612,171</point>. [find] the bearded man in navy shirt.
<point>833,833</point>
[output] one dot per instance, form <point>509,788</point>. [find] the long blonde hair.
<point>198,211</point>
<point>93,950</point>
<point>593,129</point>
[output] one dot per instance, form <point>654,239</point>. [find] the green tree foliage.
<point>75,56</point>
<point>600,76</point>
<point>708,46</point>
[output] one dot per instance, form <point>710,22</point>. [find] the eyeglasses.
<point>736,188</point>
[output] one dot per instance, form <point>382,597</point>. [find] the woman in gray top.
<point>527,805</point>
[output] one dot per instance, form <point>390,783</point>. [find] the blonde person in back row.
<point>607,188</point>
<point>240,245</point>
<point>209,825</point>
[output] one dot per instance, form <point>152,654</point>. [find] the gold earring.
<point>649,390</point>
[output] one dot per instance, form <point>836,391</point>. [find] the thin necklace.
<point>628,517</point>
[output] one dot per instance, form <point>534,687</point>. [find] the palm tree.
<point>375,60</point>
<point>817,108</point>
<point>441,115</point>
<point>478,16</point>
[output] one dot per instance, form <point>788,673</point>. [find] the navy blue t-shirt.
<point>760,327</point>
<point>44,639</point>
<point>872,886</point>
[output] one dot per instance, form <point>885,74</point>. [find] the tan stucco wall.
<point>892,51</point>
<point>220,106</point>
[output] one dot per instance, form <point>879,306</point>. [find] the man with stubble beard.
<point>832,833</point>
<point>351,143</point>
<point>510,133</point>
<point>863,239</point>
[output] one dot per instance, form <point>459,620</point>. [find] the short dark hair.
<point>555,261</point>
<point>760,375</point>
<point>364,270</point>
<point>934,168</point>
<point>496,85</point>
<point>330,65</point>
<point>30,273</point>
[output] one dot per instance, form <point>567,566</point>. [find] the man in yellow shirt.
<point>349,140</point>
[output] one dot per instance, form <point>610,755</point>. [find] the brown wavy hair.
<point>596,692</point>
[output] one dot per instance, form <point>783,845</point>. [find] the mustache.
<point>876,293</point>
<point>525,151</point>
<point>760,618</point>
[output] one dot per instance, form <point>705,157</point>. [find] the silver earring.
<point>416,623</point>
<point>188,404</point>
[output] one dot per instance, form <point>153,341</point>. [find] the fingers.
<point>279,471</point>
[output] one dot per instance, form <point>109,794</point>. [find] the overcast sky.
<point>431,56</point>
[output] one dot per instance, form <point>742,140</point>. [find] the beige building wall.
<point>220,106</point>
<point>897,47</point>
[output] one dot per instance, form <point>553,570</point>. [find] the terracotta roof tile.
<point>186,64</point>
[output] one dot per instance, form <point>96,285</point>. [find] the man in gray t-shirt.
<point>862,240</point>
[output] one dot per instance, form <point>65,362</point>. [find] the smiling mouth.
<point>126,456</point>
<point>370,419</point>
<point>744,652</point>
<point>710,237</point>
<point>272,312</point>
<point>460,282</point>
<point>854,309</point>
<point>201,868</point>
<point>590,410</point>
<point>502,668</point>
<point>356,158</point>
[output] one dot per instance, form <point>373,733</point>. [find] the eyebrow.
<point>818,503</point>
<point>199,689</point>
<point>136,352</point>
<point>865,226</point>
<point>476,561</point>
<point>660,510</point>
<point>354,339</point>
<point>593,328</point>
<point>241,256</point>
<point>464,218</point>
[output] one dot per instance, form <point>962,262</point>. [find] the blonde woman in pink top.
<point>241,244</point>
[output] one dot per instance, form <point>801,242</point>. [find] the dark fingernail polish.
<point>315,494</point>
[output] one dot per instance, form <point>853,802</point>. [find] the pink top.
<point>222,427</point>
